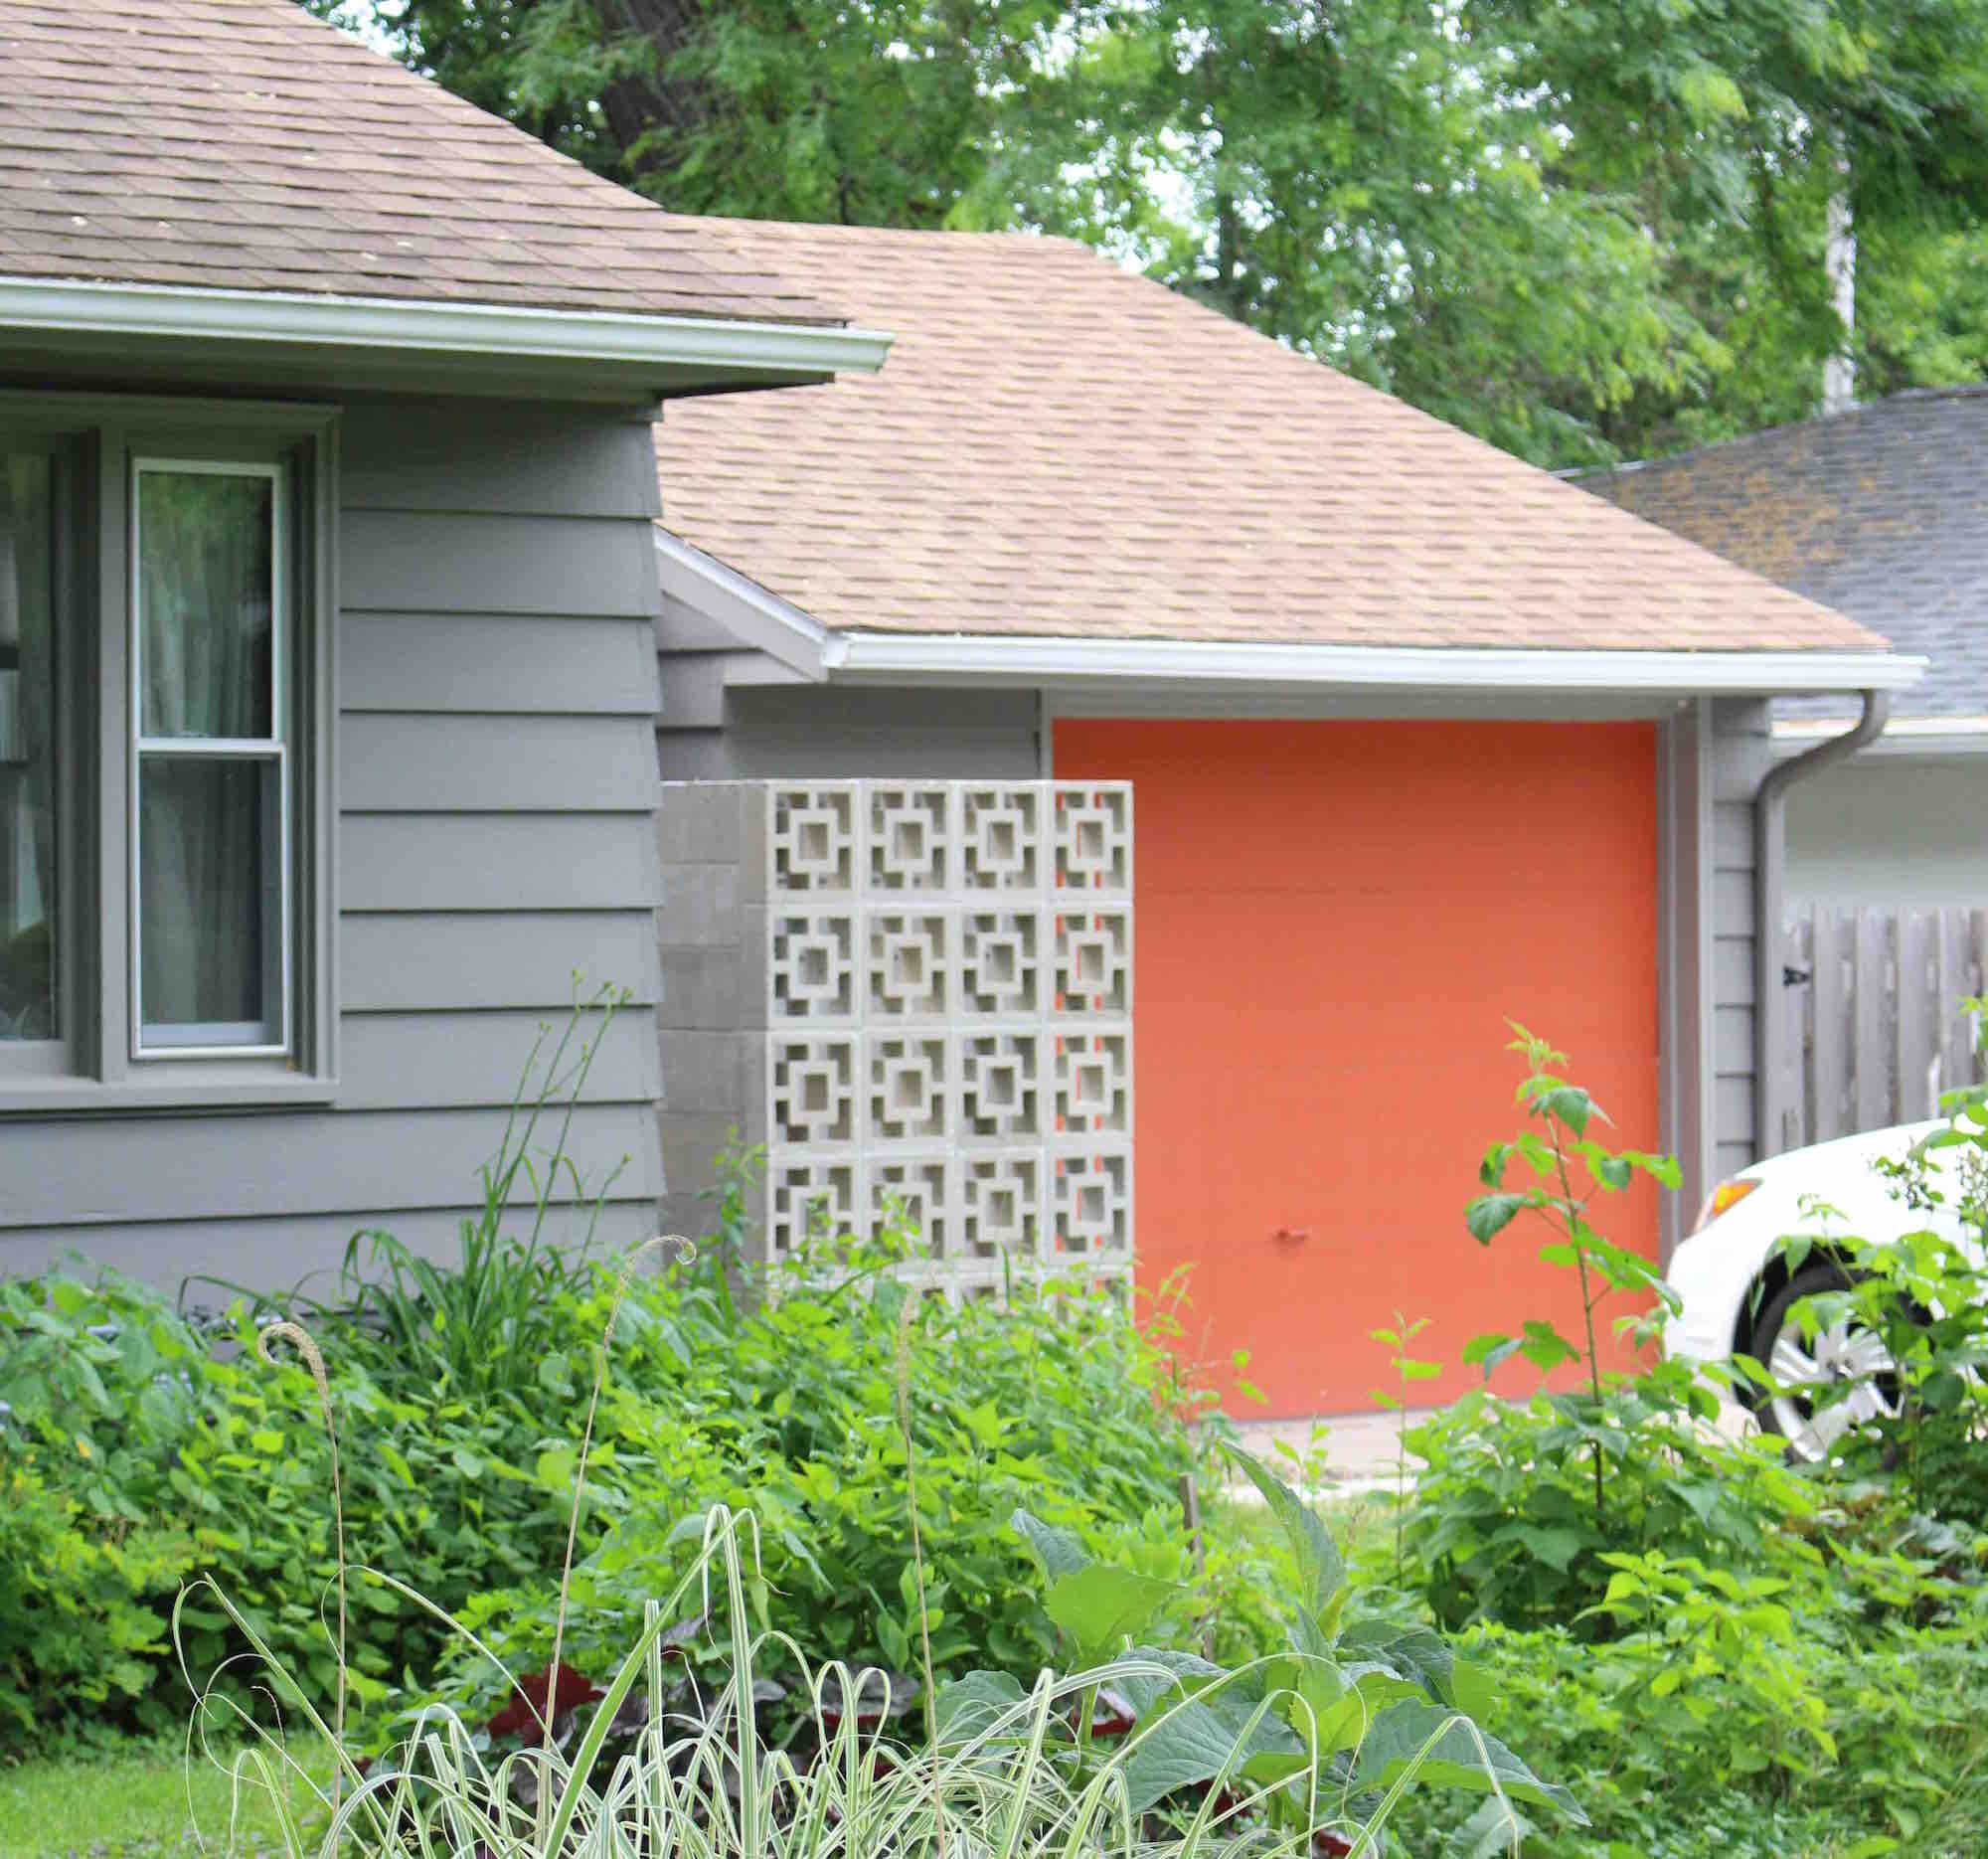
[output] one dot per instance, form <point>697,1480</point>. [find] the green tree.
<point>1582,228</point>
<point>877,113</point>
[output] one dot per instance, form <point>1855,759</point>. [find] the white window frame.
<point>273,748</point>
<point>100,1061</point>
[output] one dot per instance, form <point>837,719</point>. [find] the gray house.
<point>327,604</point>
<point>1405,739</point>
<point>1881,512</point>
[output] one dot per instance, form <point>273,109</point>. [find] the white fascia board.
<point>1928,736</point>
<point>755,615</point>
<point>504,332</point>
<point>970,658</point>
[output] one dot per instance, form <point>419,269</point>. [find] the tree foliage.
<point>1582,229</point>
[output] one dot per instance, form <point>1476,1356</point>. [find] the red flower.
<point>525,1714</point>
<point>1328,1844</point>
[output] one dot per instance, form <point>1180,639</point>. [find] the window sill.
<point>175,1087</point>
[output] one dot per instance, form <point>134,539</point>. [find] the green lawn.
<point>125,1807</point>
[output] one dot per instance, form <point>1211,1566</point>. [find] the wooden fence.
<point>1875,1027</point>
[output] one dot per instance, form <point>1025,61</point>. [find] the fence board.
<point>1873,1090</point>
<point>1875,1027</point>
<point>1916,1054</point>
<point>1829,1042</point>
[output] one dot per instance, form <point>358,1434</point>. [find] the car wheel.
<point>1844,1351</point>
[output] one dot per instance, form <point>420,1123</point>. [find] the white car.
<point>1738,1294</point>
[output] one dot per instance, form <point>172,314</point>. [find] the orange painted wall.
<point>1334,921</point>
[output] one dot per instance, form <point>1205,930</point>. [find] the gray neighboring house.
<point>327,606</point>
<point>1881,512</point>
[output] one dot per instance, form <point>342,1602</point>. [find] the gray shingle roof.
<point>1881,513</point>
<point>241,146</point>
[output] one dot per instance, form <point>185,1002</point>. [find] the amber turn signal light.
<point>1727,1195</point>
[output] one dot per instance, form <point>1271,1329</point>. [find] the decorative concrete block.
<point>812,1093</point>
<point>1001,841</point>
<point>910,964</point>
<point>932,984</point>
<point>909,1077</point>
<point>911,838</point>
<point>914,1191</point>
<point>1094,1086</point>
<point>1000,964</point>
<point>813,966</point>
<point>1001,1088</point>
<point>1093,965</point>
<point>817,840</point>
<point>1091,1205</point>
<point>815,1199</point>
<point>1000,1204</point>
<point>1092,839</point>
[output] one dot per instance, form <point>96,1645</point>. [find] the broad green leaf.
<point>1554,1545</point>
<point>1491,1348</point>
<point>1443,1749</point>
<point>1490,1213</point>
<point>1415,1653</point>
<point>1495,1830</point>
<point>1058,1551</point>
<point>1101,1606</point>
<point>1320,1568</point>
<point>969,1705</point>
<point>1614,1172</point>
<point>1545,1347</point>
<point>1188,1746</point>
<point>1568,1105</point>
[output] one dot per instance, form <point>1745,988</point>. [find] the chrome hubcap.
<point>1843,1352</point>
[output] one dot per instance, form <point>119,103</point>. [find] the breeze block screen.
<point>909,994</point>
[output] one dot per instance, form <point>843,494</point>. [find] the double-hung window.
<point>165,796</point>
<point>210,807</point>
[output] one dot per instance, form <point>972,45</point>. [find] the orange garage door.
<point>1335,919</point>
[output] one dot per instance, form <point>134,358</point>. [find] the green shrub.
<point>154,1451</point>
<point>783,1410</point>
<point>144,1452</point>
<point>1314,1755</point>
<point>1756,1716</point>
<point>1524,1503</point>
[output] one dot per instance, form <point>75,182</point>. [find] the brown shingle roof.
<point>1059,448</point>
<point>239,144</point>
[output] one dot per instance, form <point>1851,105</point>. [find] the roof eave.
<point>764,622</point>
<point>670,349</point>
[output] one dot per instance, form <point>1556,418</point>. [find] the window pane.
<point>208,901</point>
<point>206,588</point>
<point>27,748</point>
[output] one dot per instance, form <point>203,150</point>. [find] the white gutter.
<point>1903,736</point>
<point>67,307</point>
<point>964,656</point>
<point>755,615</point>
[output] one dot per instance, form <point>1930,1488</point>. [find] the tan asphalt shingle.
<point>241,146</point>
<point>1059,448</point>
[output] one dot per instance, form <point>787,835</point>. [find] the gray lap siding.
<point>496,779</point>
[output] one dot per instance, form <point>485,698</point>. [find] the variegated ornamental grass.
<point>993,1777</point>
<point>1307,1750</point>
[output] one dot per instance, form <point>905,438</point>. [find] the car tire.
<point>1847,1350</point>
